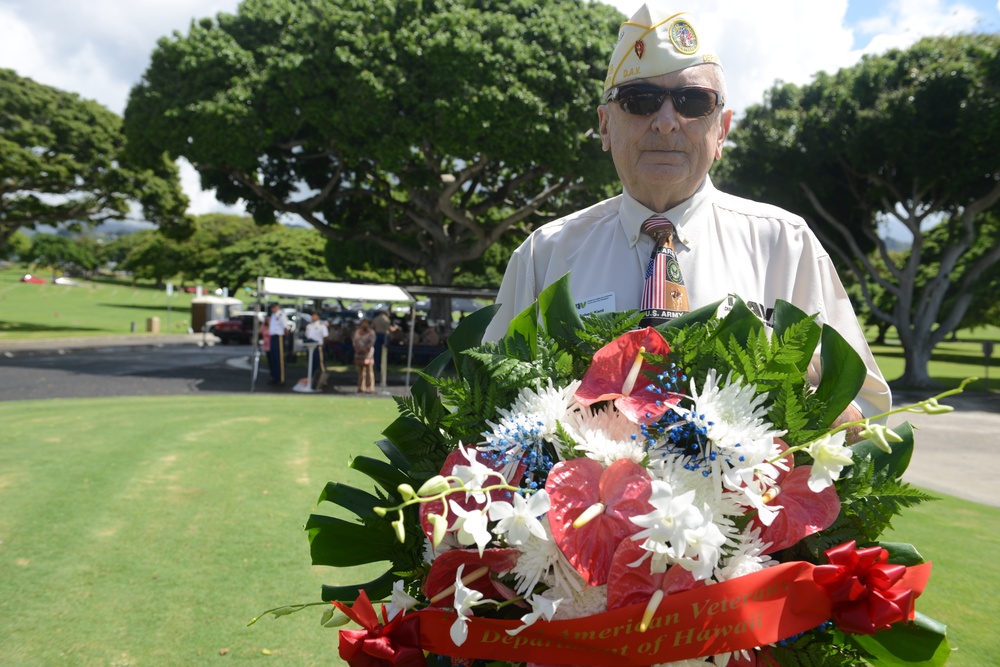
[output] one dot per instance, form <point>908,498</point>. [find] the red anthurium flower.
<point>439,587</point>
<point>862,585</point>
<point>634,585</point>
<point>466,502</point>
<point>803,511</point>
<point>591,508</point>
<point>619,372</point>
<point>395,644</point>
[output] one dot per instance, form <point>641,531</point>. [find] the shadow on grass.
<point>34,327</point>
<point>135,306</point>
<point>943,357</point>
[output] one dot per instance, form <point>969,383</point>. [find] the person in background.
<point>382,326</point>
<point>317,332</point>
<point>430,336</point>
<point>277,325</point>
<point>364,356</point>
<point>664,120</point>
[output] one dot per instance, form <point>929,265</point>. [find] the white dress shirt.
<point>277,324</point>
<point>725,245</point>
<point>317,331</point>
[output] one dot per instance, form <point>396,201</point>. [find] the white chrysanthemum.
<point>748,557</point>
<point>607,435</point>
<point>541,561</point>
<point>530,422</point>
<point>733,418</point>
<point>734,441</point>
<point>587,602</point>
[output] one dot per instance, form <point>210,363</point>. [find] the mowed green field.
<point>93,308</point>
<point>148,531</point>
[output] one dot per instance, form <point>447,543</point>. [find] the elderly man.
<point>665,122</point>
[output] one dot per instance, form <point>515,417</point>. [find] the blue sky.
<point>100,48</point>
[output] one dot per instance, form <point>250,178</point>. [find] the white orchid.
<point>829,458</point>
<point>401,601</point>
<point>465,600</point>
<point>541,607</point>
<point>472,527</point>
<point>518,521</point>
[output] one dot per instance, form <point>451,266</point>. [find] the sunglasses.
<point>645,99</point>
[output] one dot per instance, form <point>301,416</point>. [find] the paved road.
<point>127,366</point>
<point>954,453</point>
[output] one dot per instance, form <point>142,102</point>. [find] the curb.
<point>9,348</point>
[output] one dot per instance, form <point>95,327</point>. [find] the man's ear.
<point>725,122</point>
<point>602,119</point>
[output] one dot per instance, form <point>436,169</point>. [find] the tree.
<point>910,135</point>
<point>152,256</point>
<point>17,247</point>
<point>62,159</point>
<point>288,252</point>
<point>60,253</point>
<point>212,234</point>
<point>430,128</point>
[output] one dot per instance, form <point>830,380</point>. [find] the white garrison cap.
<point>655,42</point>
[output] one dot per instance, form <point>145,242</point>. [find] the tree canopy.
<point>61,253</point>
<point>289,252</point>
<point>429,128</point>
<point>62,159</point>
<point>909,135</point>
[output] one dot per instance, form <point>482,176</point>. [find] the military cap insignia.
<point>683,37</point>
<point>640,48</point>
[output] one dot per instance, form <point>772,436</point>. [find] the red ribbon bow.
<point>864,590</point>
<point>396,643</point>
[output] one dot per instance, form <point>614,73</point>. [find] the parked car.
<point>237,329</point>
<point>28,278</point>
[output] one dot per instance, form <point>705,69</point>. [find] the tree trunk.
<point>917,356</point>
<point>440,309</point>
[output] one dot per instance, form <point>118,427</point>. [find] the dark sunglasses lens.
<point>694,103</point>
<point>641,102</point>
<point>689,102</point>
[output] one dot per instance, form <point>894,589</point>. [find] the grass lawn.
<point>961,539</point>
<point>953,361</point>
<point>148,531</point>
<point>94,308</point>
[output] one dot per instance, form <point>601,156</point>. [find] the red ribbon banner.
<point>742,613</point>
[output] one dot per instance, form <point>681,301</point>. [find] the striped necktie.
<point>664,296</point>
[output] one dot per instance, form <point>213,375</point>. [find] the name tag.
<point>603,303</point>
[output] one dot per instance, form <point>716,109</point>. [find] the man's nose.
<point>666,119</point>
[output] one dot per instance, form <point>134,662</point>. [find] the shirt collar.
<point>684,216</point>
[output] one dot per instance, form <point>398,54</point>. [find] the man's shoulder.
<point>606,210</point>
<point>755,209</point>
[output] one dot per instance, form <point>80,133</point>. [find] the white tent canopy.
<point>313,289</point>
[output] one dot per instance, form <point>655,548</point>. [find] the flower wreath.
<point>586,492</point>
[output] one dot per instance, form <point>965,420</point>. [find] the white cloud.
<point>903,22</point>
<point>202,201</point>
<point>97,48</point>
<point>790,40</point>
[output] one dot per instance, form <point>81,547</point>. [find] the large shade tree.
<point>910,135</point>
<point>457,120</point>
<point>62,160</point>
